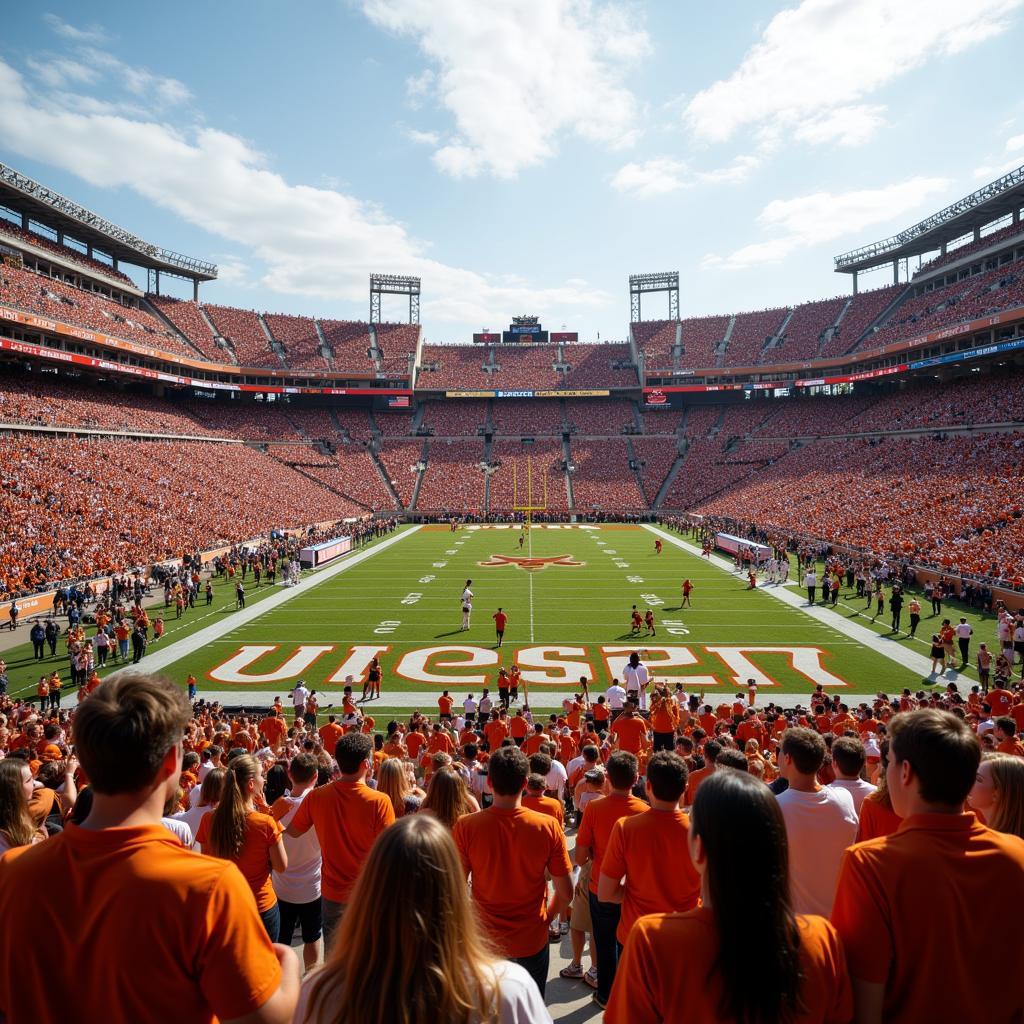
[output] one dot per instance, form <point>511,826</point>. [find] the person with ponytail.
<point>236,831</point>
<point>998,793</point>
<point>743,956</point>
<point>427,963</point>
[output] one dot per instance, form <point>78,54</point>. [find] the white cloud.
<point>815,61</point>
<point>824,216</point>
<point>1015,143</point>
<point>310,241</point>
<point>91,34</point>
<point>662,175</point>
<point>989,172</point>
<point>57,72</point>
<point>518,74</point>
<point>422,138</point>
<point>138,81</point>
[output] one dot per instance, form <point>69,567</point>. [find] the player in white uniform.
<point>467,604</point>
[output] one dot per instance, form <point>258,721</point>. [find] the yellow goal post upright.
<point>529,505</point>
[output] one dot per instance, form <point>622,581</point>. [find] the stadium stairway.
<point>275,345</point>
<point>372,448</point>
<point>567,457</point>
<point>882,318</point>
<point>666,485</point>
<point>723,346</point>
<point>158,314</point>
<point>779,337</point>
<point>634,465</point>
<point>325,350</point>
<point>424,459</point>
<point>829,332</point>
<point>375,350</point>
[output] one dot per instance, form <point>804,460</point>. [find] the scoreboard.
<point>487,338</point>
<point>533,334</point>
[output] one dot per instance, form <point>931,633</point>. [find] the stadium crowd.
<point>204,844</point>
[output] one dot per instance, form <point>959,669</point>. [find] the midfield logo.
<point>528,563</point>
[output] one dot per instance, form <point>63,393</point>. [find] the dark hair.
<point>1007,725</point>
<point>352,750</point>
<point>731,758</point>
<point>765,987</point>
<point>540,763</point>
<point>507,769</point>
<point>125,729</point>
<point>622,769</point>
<point>941,749</point>
<point>667,775</point>
<point>711,750</point>
<point>806,747</point>
<point>275,783</point>
<point>536,782</point>
<point>848,755</point>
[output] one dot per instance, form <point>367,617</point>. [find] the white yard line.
<point>530,577</point>
<point>885,646</point>
<point>166,656</point>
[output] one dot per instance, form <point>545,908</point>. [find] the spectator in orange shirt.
<point>632,872</point>
<point>599,818</point>
<point>901,898</point>
<point>329,734</point>
<point>348,816</point>
<point>628,730</point>
<point>273,727</point>
<point>535,800</point>
<point>711,751</point>
<point>506,849</point>
<point>1006,737</point>
<point>697,965</point>
<point>998,793</point>
<point>238,832</point>
<point>186,923</point>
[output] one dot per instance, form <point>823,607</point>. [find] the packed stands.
<point>743,419</point>
<point>599,415</point>
<point>657,455</point>
<point>393,423</point>
<point>314,422</point>
<point>354,474</point>
<point>454,367</point>
<point>656,339</point>
<point>36,293</point>
<point>602,478</point>
<point>398,458</point>
<point>515,465</point>
<point>702,419</point>
<point>802,417</point>
<point>803,335</point>
<point>526,366</point>
<point>250,421</point>
<point>660,419</point>
<point>191,322</point>
<point>453,481</point>
<point>700,338</point>
<point>243,329</point>
<point>710,465</point>
<point>590,366</point>
<point>941,501</point>
<point>298,336</point>
<point>300,455</point>
<point>454,418</point>
<point>985,242</point>
<point>397,342</point>
<point>864,309</point>
<point>749,334</point>
<point>16,233</point>
<point>528,418</point>
<point>355,422</point>
<point>112,504</point>
<point>349,342</point>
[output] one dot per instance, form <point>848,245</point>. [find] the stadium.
<point>794,535</point>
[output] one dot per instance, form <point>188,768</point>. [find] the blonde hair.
<point>227,828</point>
<point>447,798</point>
<point>394,784</point>
<point>1008,782</point>
<point>420,962</point>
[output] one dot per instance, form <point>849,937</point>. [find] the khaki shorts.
<point>579,909</point>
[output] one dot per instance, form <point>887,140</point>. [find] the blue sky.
<point>522,156</point>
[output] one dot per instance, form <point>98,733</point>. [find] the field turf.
<point>569,615</point>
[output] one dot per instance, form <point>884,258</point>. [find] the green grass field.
<point>568,616</point>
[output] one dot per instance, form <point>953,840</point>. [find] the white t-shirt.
<point>180,829</point>
<point>557,778</point>
<point>193,815</point>
<point>635,678</point>
<point>299,696</point>
<point>519,1000</point>
<point>470,706</point>
<point>811,580</point>
<point>820,826</point>
<point>857,788</point>
<point>300,881</point>
<point>615,695</point>
<point>963,630</point>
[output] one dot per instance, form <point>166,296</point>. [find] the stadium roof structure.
<point>1000,198</point>
<point>34,201</point>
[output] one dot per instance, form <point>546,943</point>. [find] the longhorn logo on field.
<point>530,564</point>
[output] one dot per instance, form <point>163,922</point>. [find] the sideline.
<point>166,656</point>
<point>916,663</point>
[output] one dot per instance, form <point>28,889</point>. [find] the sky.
<point>520,156</point>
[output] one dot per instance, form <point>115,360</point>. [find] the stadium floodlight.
<point>643,284</point>
<point>394,284</point>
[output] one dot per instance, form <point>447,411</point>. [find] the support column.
<point>24,222</point>
<point>88,251</point>
<point>1016,215</point>
<point>195,290</point>
<point>977,234</point>
<point>895,271</point>
<point>158,282</point>
<point>60,237</point>
<point>855,282</point>
<point>942,249</point>
<point>114,262</point>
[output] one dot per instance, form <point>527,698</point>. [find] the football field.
<point>568,593</point>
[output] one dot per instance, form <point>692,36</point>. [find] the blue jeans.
<point>605,920</point>
<point>272,921</point>
<point>536,966</point>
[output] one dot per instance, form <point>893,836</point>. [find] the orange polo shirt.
<point>639,850</point>
<point>900,902</point>
<point>348,817</point>
<point>507,852</point>
<point>545,805</point>
<point>599,818</point>
<point>631,733</point>
<point>253,860</point>
<point>667,972</point>
<point>186,923</point>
